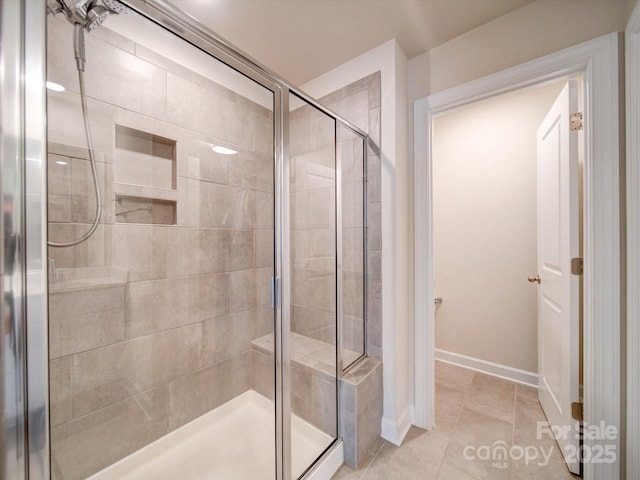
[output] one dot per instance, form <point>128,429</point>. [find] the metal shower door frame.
<point>35,322</point>
<point>24,127</point>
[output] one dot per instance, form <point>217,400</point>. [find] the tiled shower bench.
<point>313,390</point>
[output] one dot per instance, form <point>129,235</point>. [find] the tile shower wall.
<point>313,233</point>
<point>358,103</point>
<point>151,325</point>
<point>352,149</point>
<point>361,389</point>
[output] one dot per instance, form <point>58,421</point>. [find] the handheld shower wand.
<point>78,46</point>
<point>85,14</point>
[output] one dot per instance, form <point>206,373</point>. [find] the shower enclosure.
<point>201,330</point>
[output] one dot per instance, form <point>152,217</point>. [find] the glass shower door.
<point>314,306</point>
<point>353,189</point>
<point>161,332</point>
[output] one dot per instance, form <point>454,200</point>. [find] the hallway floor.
<point>473,411</point>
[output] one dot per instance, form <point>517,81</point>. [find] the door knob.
<point>437,300</point>
<point>533,279</point>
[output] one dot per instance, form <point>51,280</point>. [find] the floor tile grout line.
<point>375,455</point>
<point>464,402</point>
<point>515,408</point>
<point>443,455</point>
<point>513,431</point>
<point>450,437</point>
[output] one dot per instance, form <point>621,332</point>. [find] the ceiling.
<point>301,39</point>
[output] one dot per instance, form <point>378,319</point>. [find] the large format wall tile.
<point>214,295</point>
<point>193,395</point>
<point>361,401</point>
<point>91,330</point>
<point>94,252</point>
<point>68,128</point>
<point>182,243</point>
<point>227,336</point>
<point>141,250</point>
<point>224,206</point>
<point>60,406</point>
<point>111,374</point>
<point>112,75</point>
<point>88,444</point>
<point>158,305</point>
<point>313,323</point>
<point>355,108</point>
<point>263,373</point>
<point>314,289</point>
<point>87,318</point>
<point>198,109</point>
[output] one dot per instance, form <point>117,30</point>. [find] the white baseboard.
<point>395,431</point>
<point>494,369</point>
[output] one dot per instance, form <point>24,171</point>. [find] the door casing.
<point>598,61</point>
<point>632,47</point>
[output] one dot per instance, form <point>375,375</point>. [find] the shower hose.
<point>79,46</point>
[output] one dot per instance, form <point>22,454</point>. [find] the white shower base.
<point>234,441</point>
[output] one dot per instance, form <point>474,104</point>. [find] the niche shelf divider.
<point>145,177</point>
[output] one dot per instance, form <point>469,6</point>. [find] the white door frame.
<point>632,47</point>
<point>597,60</point>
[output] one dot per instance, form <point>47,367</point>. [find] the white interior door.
<point>558,289</point>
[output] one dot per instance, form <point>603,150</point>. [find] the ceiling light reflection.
<point>55,87</point>
<point>223,150</point>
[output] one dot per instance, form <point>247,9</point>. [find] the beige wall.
<point>537,29</point>
<point>484,168</point>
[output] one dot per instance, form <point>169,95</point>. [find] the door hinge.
<point>577,411</point>
<point>577,266</point>
<point>576,121</point>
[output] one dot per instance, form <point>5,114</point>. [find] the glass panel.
<point>353,244</point>
<point>161,329</point>
<point>313,289</point>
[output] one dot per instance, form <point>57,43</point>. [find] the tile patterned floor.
<point>472,410</point>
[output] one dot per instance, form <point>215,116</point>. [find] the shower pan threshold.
<point>227,443</point>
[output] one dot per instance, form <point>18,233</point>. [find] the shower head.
<point>87,13</point>
<point>99,10</point>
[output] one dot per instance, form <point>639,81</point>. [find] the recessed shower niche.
<point>145,210</point>
<point>145,177</point>
<point>144,159</point>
